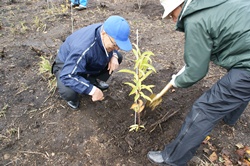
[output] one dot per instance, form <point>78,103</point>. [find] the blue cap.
<point>118,28</point>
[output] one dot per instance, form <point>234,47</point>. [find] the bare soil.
<point>38,128</point>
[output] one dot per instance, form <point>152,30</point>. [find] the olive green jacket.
<point>215,30</point>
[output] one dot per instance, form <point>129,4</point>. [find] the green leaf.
<point>138,63</point>
<point>137,96</point>
<point>147,87</point>
<point>142,73</point>
<point>134,127</point>
<point>142,57</point>
<point>134,90</point>
<point>44,65</point>
<point>127,71</point>
<point>130,84</point>
<point>149,67</point>
<point>148,53</point>
<point>145,96</point>
<point>136,77</point>
<point>146,75</point>
<point>142,126</point>
<point>138,84</point>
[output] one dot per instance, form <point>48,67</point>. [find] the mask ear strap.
<point>102,30</point>
<point>185,7</point>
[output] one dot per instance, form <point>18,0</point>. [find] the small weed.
<point>37,22</point>
<point>39,25</point>
<point>45,70</point>
<point>24,28</point>
<point>44,65</point>
<point>12,131</point>
<point>13,29</point>
<point>53,9</point>
<point>3,110</point>
<point>64,8</point>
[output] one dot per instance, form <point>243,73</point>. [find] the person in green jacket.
<point>218,31</point>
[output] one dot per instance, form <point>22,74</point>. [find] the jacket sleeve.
<point>198,46</point>
<point>70,74</point>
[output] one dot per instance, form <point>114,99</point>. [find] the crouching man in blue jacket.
<point>88,57</point>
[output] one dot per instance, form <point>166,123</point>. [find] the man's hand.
<point>98,95</point>
<point>113,64</point>
<point>175,75</point>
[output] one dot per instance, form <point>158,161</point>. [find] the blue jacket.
<point>83,53</point>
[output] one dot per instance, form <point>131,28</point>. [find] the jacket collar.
<point>192,6</point>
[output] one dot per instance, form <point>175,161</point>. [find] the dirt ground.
<point>38,128</point>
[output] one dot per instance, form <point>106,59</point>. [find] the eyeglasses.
<point>114,44</point>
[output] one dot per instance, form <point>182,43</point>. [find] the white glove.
<point>175,75</point>
<point>173,80</point>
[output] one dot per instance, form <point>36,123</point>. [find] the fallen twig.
<point>47,98</point>
<point>12,162</point>
<point>22,90</point>
<point>29,152</point>
<point>3,136</point>
<point>18,133</point>
<point>163,119</point>
<point>208,159</point>
<point>46,109</point>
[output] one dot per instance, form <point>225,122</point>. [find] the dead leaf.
<point>239,145</point>
<point>134,105</point>
<point>205,141</point>
<point>213,157</point>
<point>246,162</point>
<point>240,152</point>
<point>140,102</point>
<point>227,161</point>
<point>246,153</point>
<point>141,108</point>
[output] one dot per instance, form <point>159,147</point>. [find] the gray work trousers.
<point>66,92</point>
<point>227,99</point>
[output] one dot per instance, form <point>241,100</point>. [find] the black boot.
<point>73,104</point>
<point>101,84</point>
<point>155,157</point>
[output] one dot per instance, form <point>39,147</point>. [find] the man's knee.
<point>68,94</point>
<point>65,92</point>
